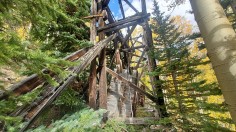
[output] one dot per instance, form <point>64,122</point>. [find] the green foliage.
<point>185,93</point>
<point>8,106</point>
<point>36,34</point>
<point>84,121</point>
<point>70,99</point>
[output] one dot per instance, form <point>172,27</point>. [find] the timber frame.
<point>113,49</point>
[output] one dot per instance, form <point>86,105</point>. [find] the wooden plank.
<point>93,70</point>
<point>131,6</point>
<point>151,97</point>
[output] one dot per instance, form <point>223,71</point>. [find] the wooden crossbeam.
<point>114,74</point>
<point>131,19</point>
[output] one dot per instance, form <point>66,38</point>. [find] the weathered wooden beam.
<point>114,74</point>
<point>93,71</point>
<point>102,63</point>
<point>138,17</point>
<point>85,60</point>
<point>131,6</point>
<point>35,80</point>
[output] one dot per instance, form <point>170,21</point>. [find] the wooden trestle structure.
<point>113,47</point>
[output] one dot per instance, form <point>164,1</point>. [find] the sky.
<point>181,10</point>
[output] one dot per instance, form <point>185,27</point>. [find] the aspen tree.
<point>220,39</point>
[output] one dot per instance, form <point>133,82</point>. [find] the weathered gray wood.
<point>151,97</point>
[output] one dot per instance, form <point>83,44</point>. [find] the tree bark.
<point>220,40</point>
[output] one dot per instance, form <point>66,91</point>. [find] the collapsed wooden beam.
<point>114,74</point>
<point>35,80</point>
<point>85,60</point>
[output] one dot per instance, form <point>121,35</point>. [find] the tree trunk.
<point>220,40</point>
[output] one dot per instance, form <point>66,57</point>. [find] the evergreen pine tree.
<point>185,94</point>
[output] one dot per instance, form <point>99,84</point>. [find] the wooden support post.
<point>93,72</point>
<point>102,64</point>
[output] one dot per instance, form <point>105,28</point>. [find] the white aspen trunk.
<point>220,40</point>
